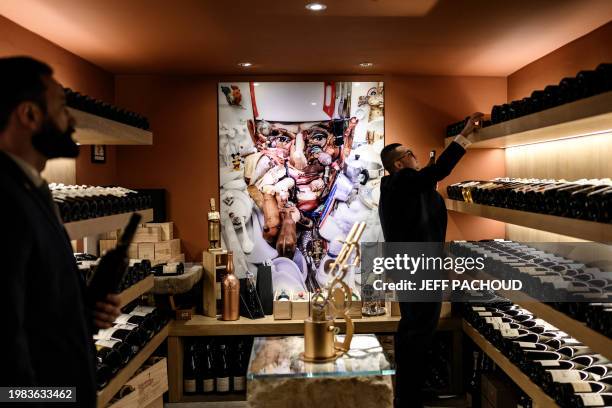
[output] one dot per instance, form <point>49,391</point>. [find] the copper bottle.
<point>231,292</point>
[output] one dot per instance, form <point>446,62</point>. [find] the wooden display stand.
<point>212,261</point>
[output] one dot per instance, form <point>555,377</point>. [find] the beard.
<point>52,142</point>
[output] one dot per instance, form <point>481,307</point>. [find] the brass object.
<point>231,292</point>
<point>320,344</point>
<point>214,226</point>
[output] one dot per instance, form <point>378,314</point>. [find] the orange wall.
<point>581,54</point>
<point>183,158</point>
<point>71,71</point>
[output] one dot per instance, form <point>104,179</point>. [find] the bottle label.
<point>509,332</point>
<point>591,400</point>
<point>123,319</point>
<point>126,326</point>
<point>565,376</point>
<point>478,309</point>
<point>222,384</point>
<point>525,344</point>
<point>548,363</point>
<point>239,383</point>
<point>550,278</point>
<point>208,385</point>
<point>189,385</point>
<point>105,334</point>
<point>107,343</point>
<point>495,319</point>
<point>143,309</point>
<point>134,313</point>
<point>581,387</point>
<point>483,314</point>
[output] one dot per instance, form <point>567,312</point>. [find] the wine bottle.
<point>231,292</point>
<point>124,350</point>
<point>189,370</point>
<point>208,371</point>
<point>592,400</point>
<point>158,320</point>
<point>222,379</point>
<point>126,333</point>
<point>103,375</point>
<point>144,325</point>
<point>109,357</point>
<point>239,369</point>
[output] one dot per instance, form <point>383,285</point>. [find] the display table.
<point>277,377</point>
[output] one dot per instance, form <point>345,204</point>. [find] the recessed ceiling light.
<point>256,84</point>
<point>244,64</point>
<point>313,103</point>
<point>366,65</point>
<point>316,6</point>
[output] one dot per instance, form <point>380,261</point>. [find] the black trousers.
<point>412,341</point>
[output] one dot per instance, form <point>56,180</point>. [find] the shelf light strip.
<point>601,132</point>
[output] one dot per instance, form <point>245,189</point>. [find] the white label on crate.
<point>143,309</point>
<point>223,384</point>
<point>478,309</point>
<point>581,386</point>
<point>565,376</point>
<point>509,332</point>
<point>123,319</point>
<point>107,343</point>
<point>483,314</point>
<point>548,363</point>
<point>525,344</point>
<point>208,385</point>
<point>189,385</point>
<point>239,383</point>
<point>592,400</point>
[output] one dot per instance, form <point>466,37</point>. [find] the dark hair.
<point>21,79</point>
<point>388,157</point>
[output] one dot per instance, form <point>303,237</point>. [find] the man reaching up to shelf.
<point>411,210</point>
<point>48,326</point>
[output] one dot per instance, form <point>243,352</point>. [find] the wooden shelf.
<point>96,130</point>
<point>108,392</point>
<point>136,290</point>
<point>588,230</point>
<point>100,225</point>
<point>209,326</point>
<point>539,397</point>
<point>580,118</point>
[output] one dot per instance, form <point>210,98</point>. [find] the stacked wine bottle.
<point>570,89</point>
<point>88,104</point>
<point>117,345</point>
<point>581,291</point>
<point>583,199</point>
<point>83,202</point>
<point>568,371</point>
<point>216,365</point>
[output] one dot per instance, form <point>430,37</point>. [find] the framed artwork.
<point>98,154</point>
<point>299,164</point>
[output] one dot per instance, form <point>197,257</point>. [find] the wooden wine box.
<point>214,263</point>
<point>146,250</point>
<point>174,258</point>
<point>151,382</point>
<point>167,249</point>
<point>129,400</point>
<point>106,245</point>
<point>148,234</point>
<point>133,251</point>
<point>167,228</point>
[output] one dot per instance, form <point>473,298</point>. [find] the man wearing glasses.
<point>411,210</point>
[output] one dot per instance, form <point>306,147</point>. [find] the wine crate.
<point>214,262</point>
<point>151,381</point>
<point>167,229</point>
<point>167,249</point>
<point>129,400</point>
<point>106,245</point>
<point>148,234</point>
<point>158,403</point>
<point>497,392</point>
<point>133,251</point>
<point>146,250</point>
<point>300,308</point>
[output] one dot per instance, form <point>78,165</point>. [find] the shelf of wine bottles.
<point>78,203</point>
<point>138,278</point>
<point>587,230</point>
<point>582,199</point>
<point>123,348</point>
<point>568,371</point>
<point>583,292</point>
<point>97,107</point>
<point>215,368</point>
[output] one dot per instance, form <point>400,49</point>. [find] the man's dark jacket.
<point>47,330</point>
